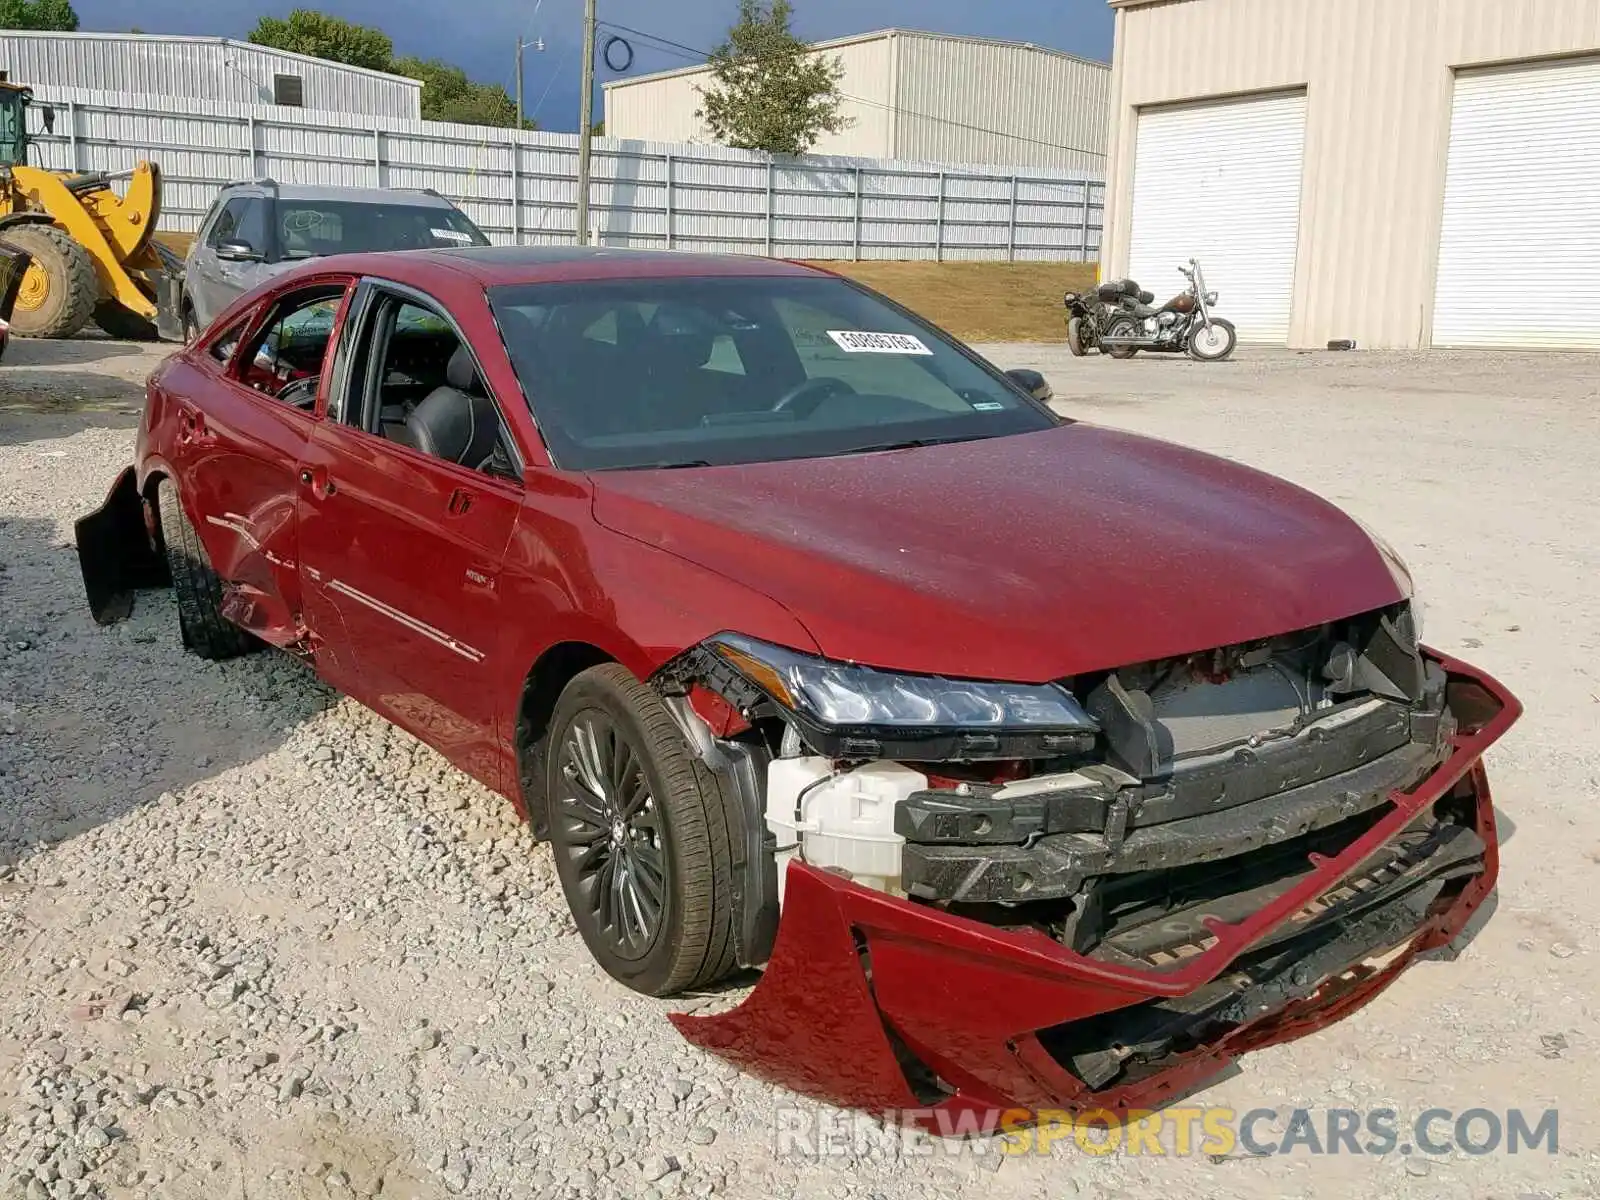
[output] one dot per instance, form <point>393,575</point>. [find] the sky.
<point>480,35</point>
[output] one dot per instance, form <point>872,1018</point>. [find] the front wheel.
<point>1213,342</point>
<point>1075,337</point>
<point>640,836</point>
<point>1121,327</point>
<point>59,289</point>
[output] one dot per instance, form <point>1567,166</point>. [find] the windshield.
<point>688,372</point>
<point>13,139</point>
<point>309,228</point>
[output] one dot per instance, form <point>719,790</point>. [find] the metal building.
<point>921,96</point>
<point>1383,170</point>
<point>203,68</point>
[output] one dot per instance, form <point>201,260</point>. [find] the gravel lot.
<point>256,943</point>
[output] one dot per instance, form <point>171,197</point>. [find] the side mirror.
<point>47,114</point>
<point>1031,382</point>
<point>236,251</point>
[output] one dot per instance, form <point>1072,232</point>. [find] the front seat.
<point>457,422</point>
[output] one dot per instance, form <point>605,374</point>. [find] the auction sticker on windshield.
<point>857,341</point>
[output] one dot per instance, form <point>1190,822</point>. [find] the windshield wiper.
<point>669,465</point>
<point>908,444</point>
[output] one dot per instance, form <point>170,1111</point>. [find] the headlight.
<point>838,703</point>
<point>1211,297</point>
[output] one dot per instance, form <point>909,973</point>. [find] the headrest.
<point>461,372</point>
<point>453,425</point>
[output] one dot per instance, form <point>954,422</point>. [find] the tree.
<point>448,95</point>
<point>55,16</point>
<point>322,36</point>
<point>769,92</point>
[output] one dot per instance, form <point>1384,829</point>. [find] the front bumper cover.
<point>861,982</point>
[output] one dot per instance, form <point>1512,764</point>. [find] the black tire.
<point>677,834</point>
<point>196,587</point>
<point>191,324</point>
<point>60,290</point>
<point>1075,337</point>
<point>124,324</point>
<point>1121,327</point>
<point>1205,352</point>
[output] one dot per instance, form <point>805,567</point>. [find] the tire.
<point>1121,327</point>
<point>191,324</point>
<point>124,324</point>
<point>677,834</point>
<point>1075,337</point>
<point>196,587</point>
<point>1202,347</point>
<point>60,289</point>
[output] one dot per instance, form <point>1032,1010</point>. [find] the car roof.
<point>349,195</point>
<point>499,265</point>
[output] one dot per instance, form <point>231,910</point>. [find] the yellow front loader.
<point>92,250</point>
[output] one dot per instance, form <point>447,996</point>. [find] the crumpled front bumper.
<point>858,978</point>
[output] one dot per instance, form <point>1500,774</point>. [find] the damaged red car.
<point>1038,765</point>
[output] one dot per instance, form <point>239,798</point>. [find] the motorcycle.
<point>1089,312</point>
<point>1183,325</point>
<point>1086,319</point>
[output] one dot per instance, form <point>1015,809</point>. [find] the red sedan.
<point>1075,763</point>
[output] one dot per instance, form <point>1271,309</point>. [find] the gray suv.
<point>257,229</point>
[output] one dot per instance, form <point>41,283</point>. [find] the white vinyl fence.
<point>520,187</point>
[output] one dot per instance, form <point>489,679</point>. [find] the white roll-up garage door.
<point>1221,183</point>
<point>1522,203</point>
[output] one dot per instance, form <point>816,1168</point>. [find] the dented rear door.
<point>240,448</point>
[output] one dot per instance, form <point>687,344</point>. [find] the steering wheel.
<point>300,393</point>
<point>803,398</point>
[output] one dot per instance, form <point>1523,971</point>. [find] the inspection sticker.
<point>451,235</point>
<point>855,341</point>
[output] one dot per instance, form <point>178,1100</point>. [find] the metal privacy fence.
<point>520,187</point>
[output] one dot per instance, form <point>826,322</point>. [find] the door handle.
<point>317,480</point>
<point>460,501</point>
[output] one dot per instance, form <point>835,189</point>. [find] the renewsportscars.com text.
<point>1178,1131</point>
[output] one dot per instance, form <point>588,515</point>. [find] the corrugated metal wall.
<point>520,186</point>
<point>662,109</point>
<point>971,101</point>
<point>921,97</point>
<point>1379,77</point>
<point>202,68</point>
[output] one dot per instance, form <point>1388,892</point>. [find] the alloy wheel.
<point>608,824</point>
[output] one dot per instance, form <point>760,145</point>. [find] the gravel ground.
<point>256,943</point>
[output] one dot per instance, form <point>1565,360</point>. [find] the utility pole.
<point>586,122</point>
<point>519,81</point>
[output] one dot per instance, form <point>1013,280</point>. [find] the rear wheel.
<point>59,289</point>
<point>123,323</point>
<point>1075,337</point>
<point>639,835</point>
<point>196,587</point>
<point>1213,342</point>
<point>1119,328</point>
<point>191,324</point>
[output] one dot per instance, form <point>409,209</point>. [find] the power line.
<point>700,56</point>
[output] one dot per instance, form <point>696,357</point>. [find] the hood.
<point>1025,558</point>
